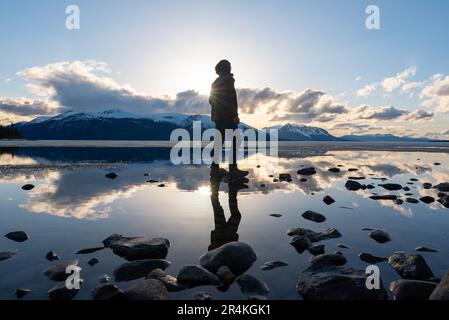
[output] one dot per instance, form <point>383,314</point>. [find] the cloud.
<point>367,90</point>
<point>392,83</point>
<point>410,86</point>
<point>419,115</point>
<point>8,80</point>
<point>380,113</point>
<point>437,93</point>
<point>27,107</point>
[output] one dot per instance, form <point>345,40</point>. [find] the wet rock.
<point>270,265</point>
<point>285,177</point>
<point>380,236</point>
<point>412,267</point>
<point>276,215</point>
<point>263,185</point>
<point>437,164</point>
<point>328,200</point>
<point>137,248</point>
<point>5,255</point>
<point>161,185</point>
<point>370,186</point>
<point>147,289</point>
<point>427,185</point>
<point>353,169</point>
<point>411,200</point>
<point>28,187</point>
<point>409,194</point>
<point>391,186</point>
<point>414,179</point>
<point>104,278</point>
<point>356,178</point>
<point>427,199</point>
<point>328,260</point>
<point>303,238</point>
<point>352,185</point>
<point>107,292</point>
<point>307,171</point>
<point>51,256</point>
<point>425,249</point>
<point>342,246</point>
<point>58,272</point>
<point>369,258</point>
<point>237,256</point>
<point>406,189</point>
<point>303,180</point>
<point>441,291</point>
<point>20,293</point>
<point>337,283</point>
<point>316,250</point>
<point>399,201</point>
<point>137,269</point>
<point>334,170</point>
<point>412,289</point>
<point>254,288</point>
<point>202,296</point>
<point>93,262</point>
<point>444,201</point>
<point>226,276</point>
<point>314,216</point>
<point>17,236</point>
<point>89,250</point>
<point>111,175</point>
<point>153,181</point>
<point>384,197</point>
<point>60,292</point>
<point>195,276</point>
<point>301,244</point>
<point>442,187</point>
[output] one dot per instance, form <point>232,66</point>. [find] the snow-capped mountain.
<point>293,132</point>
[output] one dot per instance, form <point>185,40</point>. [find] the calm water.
<point>74,206</point>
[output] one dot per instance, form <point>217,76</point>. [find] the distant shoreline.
<point>442,147</point>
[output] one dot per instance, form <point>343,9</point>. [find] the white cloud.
<point>392,83</point>
<point>367,90</point>
<point>437,93</point>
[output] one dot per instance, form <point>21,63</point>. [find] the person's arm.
<point>235,106</point>
<point>212,102</point>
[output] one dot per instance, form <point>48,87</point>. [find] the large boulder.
<point>254,288</point>
<point>137,248</point>
<point>412,266</point>
<point>405,289</point>
<point>441,292</point>
<point>147,289</point>
<point>237,256</point>
<point>137,269</point>
<point>194,276</point>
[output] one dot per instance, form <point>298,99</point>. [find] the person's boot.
<point>236,172</point>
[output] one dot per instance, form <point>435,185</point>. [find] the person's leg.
<point>233,167</point>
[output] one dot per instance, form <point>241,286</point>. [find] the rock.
<point>104,278</point>
<point>254,288</point>
<point>352,185</point>
<point>137,269</point>
<point>263,185</point>
<point>380,236</point>
<point>303,238</point>
<point>444,201</point>
<point>161,185</point>
<point>411,200</point>
<point>137,248</point>
<point>170,282</point>
<point>412,267</point>
<point>334,170</point>
<point>307,171</point>
<point>17,236</point>
<point>414,179</point>
<point>276,215</point>
<point>316,250</point>
<point>300,243</point>
<point>356,178</point>
<point>427,185</point>
<point>384,197</point>
<point>409,194</point>
<point>353,169</point>
<point>437,164</point>
<point>303,180</point>
<point>270,265</point>
<point>202,296</point>
<point>367,229</point>
<point>147,289</point>
<point>412,289</point>
<point>111,175</point>
<point>328,260</point>
<point>328,200</point>
<point>5,255</point>
<point>285,177</point>
<point>153,181</point>
<point>58,272</point>
<point>427,199</point>
<point>20,293</point>
<point>51,256</point>
<point>89,250</point>
<point>391,186</point>
<point>406,189</point>
<point>107,292</point>
<point>194,276</point>
<point>342,246</point>
<point>337,283</point>
<point>314,216</point>
<point>370,186</point>
<point>93,262</point>
<point>424,249</point>
<point>441,291</point>
<point>442,187</point>
<point>369,258</point>
<point>225,275</point>
<point>237,256</point>
<point>28,187</point>
<point>60,292</point>
<point>399,201</point>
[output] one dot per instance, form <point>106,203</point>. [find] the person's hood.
<point>223,79</point>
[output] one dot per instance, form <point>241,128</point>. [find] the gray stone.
<point>51,256</point>
<point>170,282</point>
<point>254,288</point>
<point>334,170</point>
<point>442,187</point>
<point>111,175</point>
<point>412,267</point>
<point>427,185</point>
<point>328,200</point>
<point>314,216</point>
<point>20,293</point>
<point>411,200</point>
<point>107,292</point>
<point>391,186</point>
<point>303,238</point>
<point>93,262</point>
<point>137,269</point>
<point>104,278</point>
<point>147,289</point>
<point>89,250</point>
<point>194,276</point>
<point>225,275</point>
<point>202,296</point>
<point>369,258</point>
<point>270,265</point>
<point>17,236</point>
<point>237,256</point>
<point>307,171</point>
<point>28,187</point>
<point>316,250</point>
<point>60,292</point>
<point>328,260</point>
<point>352,185</point>
<point>7,254</point>
<point>58,272</point>
<point>285,177</point>
<point>444,201</point>
<point>137,248</point>
<point>380,236</point>
<point>389,197</point>
<point>404,289</point>
<point>425,249</point>
<point>441,292</point>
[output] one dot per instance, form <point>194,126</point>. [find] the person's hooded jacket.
<point>223,100</point>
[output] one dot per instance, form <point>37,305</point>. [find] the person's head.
<point>223,68</point>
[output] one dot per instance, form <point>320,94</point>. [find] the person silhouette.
<point>224,113</point>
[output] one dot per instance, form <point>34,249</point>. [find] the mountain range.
<point>120,125</point>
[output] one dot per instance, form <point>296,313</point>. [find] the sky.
<point>305,62</point>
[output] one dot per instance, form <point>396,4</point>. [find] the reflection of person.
<point>224,111</point>
<point>225,230</point>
